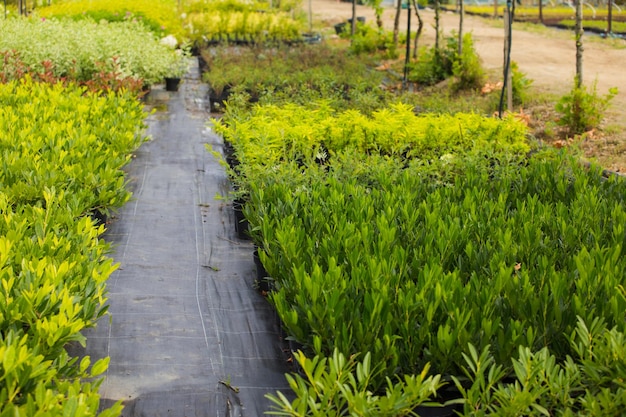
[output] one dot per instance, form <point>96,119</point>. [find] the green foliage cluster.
<point>335,386</point>
<point>62,153</point>
<point>583,109</point>
<point>273,134</point>
<point>102,81</point>
<point>200,6</point>
<point>589,383</point>
<point>298,75</point>
<point>434,65</point>
<point>370,40</point>
<point>410,238</point>
<point>161,17</point>
<point>247,26</point>
<point>616,26</point>
<point>466,68</point>
<point>79,50</point>
<point>520,85</point>
<point>531,13</point>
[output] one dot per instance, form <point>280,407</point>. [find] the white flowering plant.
<point>80,49</point>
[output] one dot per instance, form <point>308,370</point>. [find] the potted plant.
<point>178,69</point>
<point>178,66</point>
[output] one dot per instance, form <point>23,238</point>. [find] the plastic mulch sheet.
<point>187,333</point>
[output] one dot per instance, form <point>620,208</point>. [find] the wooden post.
<point>461,16</point>
<point>507,64</point>
<point>405,78</point>
<point>610,17</point>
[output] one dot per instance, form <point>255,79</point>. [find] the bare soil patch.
<point>547,56</point>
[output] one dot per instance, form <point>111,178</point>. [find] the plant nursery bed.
<point>423,237</point>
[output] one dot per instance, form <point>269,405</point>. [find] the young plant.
<point>336,385</point>
<point>583,109</point>
<point>466,68</point>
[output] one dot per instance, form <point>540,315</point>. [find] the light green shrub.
<point>62,153</point>
<point>75,48</point>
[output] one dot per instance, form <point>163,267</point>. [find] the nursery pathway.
<point>187,334</point>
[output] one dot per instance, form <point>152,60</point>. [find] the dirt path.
<point>546,56</point>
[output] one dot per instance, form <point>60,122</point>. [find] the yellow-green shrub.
<point>162,17</point>
<point>61,151</point>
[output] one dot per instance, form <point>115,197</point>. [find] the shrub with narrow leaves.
<point>62,154</point>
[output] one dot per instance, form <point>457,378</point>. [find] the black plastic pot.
<point>340,28</point>
<point>446,394</point>
<point>263,282</point>
<point>359,19</point>
<point>172,84</point>
<point>202,64</point>
<point>434,411</point>
<point>217,100</point>
<point>241,223</point>
<point>311,38</point>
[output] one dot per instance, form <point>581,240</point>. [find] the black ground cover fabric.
<point>187,333</point>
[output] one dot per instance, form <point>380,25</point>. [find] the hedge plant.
<point>428,241</point>
<point>62,153</point>
<point>298,75</point>
<point>160,17</point>
<point>249,27</point>
<point>79,50</point>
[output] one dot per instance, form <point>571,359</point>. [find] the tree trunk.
<point>508,34</point>
<point>579,43</point>
<point>420,26</point>
<point>396,24</point>
<point>353,26</point>
<point>437,12</point>
<point>405,78</point>
<point>461,15</point>
<point>610,18</point>
<point>541,11</point>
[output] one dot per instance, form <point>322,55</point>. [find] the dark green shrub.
<point>434,65</point>
<point>369,40</point>
<point>467,69</point>
<point>520,84</point>
<point>582,109</point>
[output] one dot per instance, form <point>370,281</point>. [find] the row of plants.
<point>597,25</point>
<point>203,6</point>
<point>525,13</point>
<point>588,384</point>
<point>84,50</point>
<point>406,239</point>
<point>248,27</point>
<point>198,22</point>
<point>63,150</point>
<point>299,75</point>
<point>160,17</point>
